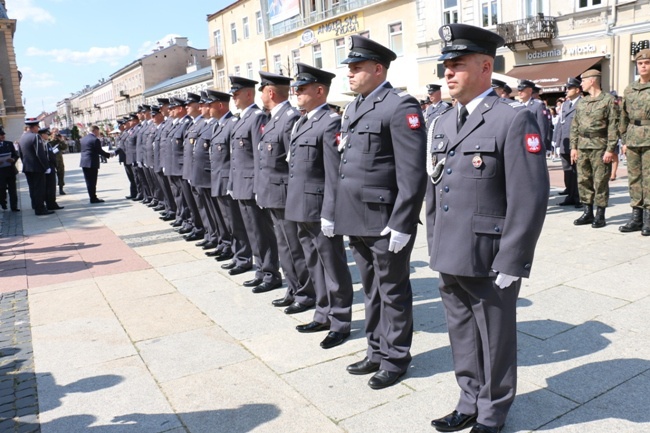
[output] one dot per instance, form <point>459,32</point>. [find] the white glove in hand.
<point>48,171</point>
<point>55,150</point>
<point>397,240</point>
<point>229,192</point>
<point>327,227</point>
<point>505,280</point>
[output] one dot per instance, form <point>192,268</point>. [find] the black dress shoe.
<point>15,210</point>
<point>283,302</point>
<point>138,198</point>
<point>185,230</point>
<point>203,242</point>
<point>224,256</point>
<point>45,212</point>
<point>230,265</point>
<point>334,339</point>
<point>153,203</point>
<point>236,270</point>
<point>208,246</point>
<point>96,200</point>
<point>363,367</point>
<point>384,378</point>
<point>168,217</point>
<point>193,236</point>
<point>128,197</point>
<point>480,428</point>
<point>56,207</point>
<point>213,253</point>
<point>567,203</point>
<point>176,224</point>
<point>159,207</point>
<point>296,308</point>
<point>254,282</point>
<point>565,192</point>
<point>313,327</point>
<point>267,287</point>
<point>453,422</point>
<point>146,201</point>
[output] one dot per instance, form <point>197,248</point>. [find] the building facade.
<point>12,111</point>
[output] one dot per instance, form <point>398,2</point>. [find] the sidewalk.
<point>135,330</point>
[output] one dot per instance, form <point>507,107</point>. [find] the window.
<point>218,47</point>
<point>340,51</point>
<point>233,32</point>
<point>277,64</point>
<point>312,6</point>
<point>489,13</point>
<point>258,22</point>
<point>295,58</point>
<point>221,79</point>
<point>534,7</point>
<point>244,23</point>
<point>589,3</point>
<point>237,71</point>
<point>395,35</point>
<point>262,64</point>
<point>249,70</point>
<point>450,11</point>
<point>318,56</point>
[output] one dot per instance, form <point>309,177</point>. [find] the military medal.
<point>269,147</point>
<point>434,159</point>
<point>219,147</point>
<point>206,145</point>
<point>241,143</point>
<point>477,161</point>
<point>191,141</point>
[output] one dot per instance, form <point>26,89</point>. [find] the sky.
<point>63,45</point>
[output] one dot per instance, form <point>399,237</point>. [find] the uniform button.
<point>527,266</point>
<point>291,165</point>
<point>445,208</point>
<point>293,153</point>
<point>349,145</point>
<point>449,171</point>
<point>497,229</point>
<point>352,130</point>
<point>318,190</point>
<point>478,146</point>
<point>446,188</point>
<point>452,153</point>
<point>342,176</point>
<point>366,126</point>
<point>381,198</point>
<point>291,175</point>
<point>345,161</point>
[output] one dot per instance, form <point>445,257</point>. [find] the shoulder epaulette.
<point>513,104</point>
<point>403,94</point>
<point>234,118</point>
<point>332,115</point>
<point>258,112</point>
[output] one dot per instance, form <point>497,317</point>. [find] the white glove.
<point>397,240</point>
<point>48,171</point>
<point>327,227</point>
<point>505,280</point>
<point>229,192</point>
<point>55,150</point>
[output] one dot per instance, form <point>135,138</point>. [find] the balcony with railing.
<point>215,52</point>
<point>527,31</point>
<point>300,22</point>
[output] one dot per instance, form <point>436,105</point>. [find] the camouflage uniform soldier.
<point>593,139</point>
<point>60,144</point>
<point>635,130</point>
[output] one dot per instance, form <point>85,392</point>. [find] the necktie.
<point>360,100</point>
<point>462,117</point>
<point>299,123</point>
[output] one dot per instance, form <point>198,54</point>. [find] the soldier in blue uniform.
<point>487,163</point>
<point>436,104</point>
<point>378,200</point>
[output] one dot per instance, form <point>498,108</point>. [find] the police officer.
<point>8,172</point>
<point>271,180</point>
<point>234,244</point>
<point>313,174</point>
<point>501,88</point>
<point>33,154</point>
<point>488,165</point>
<point>436,104</point>
<point>245,137</point>
<point>160,158</point>
<point>130,146</point>
<point>635,128</point>
<point>594,135</point>
<point>378,200</point>
<point>561,135</point>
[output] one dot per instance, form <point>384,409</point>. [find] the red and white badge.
<point>413,120</point>
<point>338,139</point>
<point>262,128</point>
<point>533,143</point>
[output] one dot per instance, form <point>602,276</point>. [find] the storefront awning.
<point>552,77</point>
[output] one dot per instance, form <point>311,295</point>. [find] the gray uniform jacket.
<point>246,135</point>
<point>220,155</point>
<point>273,171</point>
<point>191,138</point>
<point>490,203</point>
<point>382,173</point>
<point>435,111</point>
<point>33,153</point>
<point>140,138</point>
<point>148,137</point>
<point>174,165</point>
<point>200,176</point>
<point>314,168</point>
<point>163,145</point>
<point>541,114</point>
<point>131,143</point>
<point>562,130</point>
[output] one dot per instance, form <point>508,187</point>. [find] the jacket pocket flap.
<point>314,188</point>
<point>278,180</point>
<point>307,141</point>
<point>377,195</point>
<point>481,145</point>
<point>372,126</point>
<point>488,224</point>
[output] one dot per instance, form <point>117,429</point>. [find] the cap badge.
<point>350,43</point>
<point>446,33</point>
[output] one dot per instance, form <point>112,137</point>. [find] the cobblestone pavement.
<point>18,396</point>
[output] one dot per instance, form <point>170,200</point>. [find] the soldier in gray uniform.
<point>235,245</point>
<point>594,136</point>
<point>271,181</point>
<point>436,104</point>
<point>561,136</point>
<point>501,88</point>
<point>244,163</point>
<point>34,157</point>
<point>313,175</point>
<point>378,200</point>
<point>487,162</point>
<point>161,147</point>
<point>174,161</point>
<point>525,91</point>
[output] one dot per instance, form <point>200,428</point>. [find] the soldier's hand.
<point>327,227</point>
<point>608,156</point>
<point>505,280</point>
<point>397,240</point>
<point>574,156</point>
